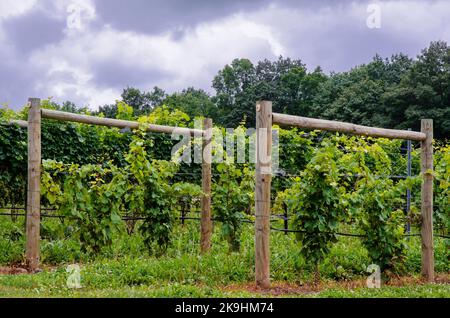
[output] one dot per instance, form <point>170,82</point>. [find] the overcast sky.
<point>87,51</point>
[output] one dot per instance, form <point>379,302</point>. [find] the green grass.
<point>189,291</point>
<point>52,285</point>
<point>418,291</point>
<point>127,270</point>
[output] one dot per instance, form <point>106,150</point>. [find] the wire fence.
<point>185,216</point>
<point>186,210</point>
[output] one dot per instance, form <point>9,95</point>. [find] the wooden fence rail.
<point>330,125</point>
<point>20,123</point>
<point>118,123</point>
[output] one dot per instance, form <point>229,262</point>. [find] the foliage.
<point>141,102</point>
<point>232,195</point>
<point>13,149</point>
<point>295,151</point>
<point>72,143</point>
<point>382,222</point>
<point>149,191</point>
<point>391,93</point>
<point>285,82</point>
<point>90,195</point>
<point>376,200</point>
<point>125,270</point>
<point>96,196</point>
<point>315,199</point>
<point>348,181</point>
<point>442,190</point>
<point>194,102</point>
<point>124,111</point>
<point>163,115</point>
<point>232,186</point>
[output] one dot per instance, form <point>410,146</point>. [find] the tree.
<point>70,107</point>
<point>424,92</point>
<point>391,93</point>
<point>234,86</point>
<point>285,82</point>
<point>357,96</point>
<point>297,90</point>
<point>109,111</point>
<point>194,102</point>
<point>141,101</point>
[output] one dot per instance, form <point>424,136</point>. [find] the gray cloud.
<point>158,16</point>
<point>119,75</point>
<point>346,47</point>
<point>180,43</point>
<point>33,30</point>
<point>164,15</point>
<point>15,85</point>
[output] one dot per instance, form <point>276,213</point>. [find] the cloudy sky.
<point>87,51</point>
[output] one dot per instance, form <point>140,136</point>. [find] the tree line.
<point>393,92</point>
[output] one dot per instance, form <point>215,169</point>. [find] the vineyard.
<point>112,200</point>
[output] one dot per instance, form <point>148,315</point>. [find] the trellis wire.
<point>406,207</point>
<point>141,218</point>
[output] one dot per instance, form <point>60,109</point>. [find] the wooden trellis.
<point>264,120</point>
<point>35,115</point>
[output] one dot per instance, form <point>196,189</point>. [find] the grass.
<point>189,291</point>
<point>127,270</point>
<point>419,291</point>
<point>50,285</point>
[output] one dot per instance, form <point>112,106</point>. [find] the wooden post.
<point>34,185</point>
<point>427,201</point>
<point>262,192</point>
<point>206,223</point>
<point>286,221</point>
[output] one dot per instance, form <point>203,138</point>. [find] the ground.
<point>128,269</point>
<point>25,285</point>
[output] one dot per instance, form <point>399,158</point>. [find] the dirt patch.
<point>284,288</point>
<point>277,288</point>
<point>13,270</point>
<point>441,278</point>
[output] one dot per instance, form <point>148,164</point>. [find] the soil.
<point>284,288</point>
<point>13,270</point>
